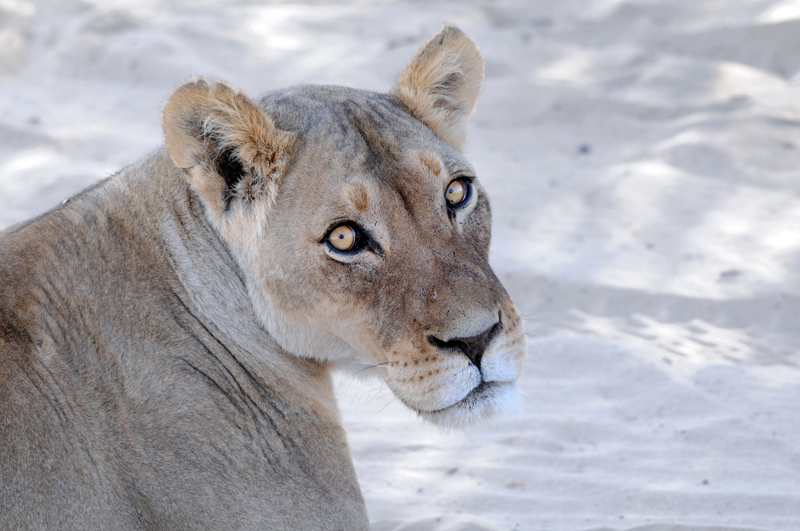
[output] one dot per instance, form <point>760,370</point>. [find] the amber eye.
<point>457,192</point>
<point>343,238</point>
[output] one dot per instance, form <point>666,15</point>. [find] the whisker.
<point>365,369</point>
<point>540,352</point>
<point>391,399</point>
<point>356,362</point>
<point>368,365</point>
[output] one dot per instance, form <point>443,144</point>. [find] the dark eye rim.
<point>360,242</point>
<point>467,184</point>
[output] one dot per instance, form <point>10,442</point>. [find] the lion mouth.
<point>486,400</point>
<point>479,394</point>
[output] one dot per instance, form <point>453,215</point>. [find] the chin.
<point>486,401</point>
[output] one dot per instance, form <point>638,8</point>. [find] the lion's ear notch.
<point>441,84</point>
<point>226,143</point>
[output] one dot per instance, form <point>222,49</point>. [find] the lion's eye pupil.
<point>457,192</point>
<point>343,238</point>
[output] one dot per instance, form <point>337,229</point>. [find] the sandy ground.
<point>643,159</point>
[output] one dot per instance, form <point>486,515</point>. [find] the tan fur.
<point>359,197</point>
<point>441,84</point>
<point>202,122</point>
<point>431,162</point>
<point>167,336</point>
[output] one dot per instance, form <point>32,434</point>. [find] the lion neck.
<point>138,328</point>
<point>215,294</point>
<point>140,271</point>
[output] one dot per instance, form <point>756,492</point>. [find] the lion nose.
<point>472,347</point>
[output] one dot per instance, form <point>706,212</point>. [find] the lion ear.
<point>227,144</point>
<point>440,85</point>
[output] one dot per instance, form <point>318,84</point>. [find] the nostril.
<point>452,344</point>
<point>472,347</point>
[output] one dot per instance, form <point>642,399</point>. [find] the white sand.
<point>644,164</point>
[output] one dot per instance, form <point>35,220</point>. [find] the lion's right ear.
<point>440,85</point>
<point>229,147</point>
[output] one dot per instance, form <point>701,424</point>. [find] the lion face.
<point>363,232</point>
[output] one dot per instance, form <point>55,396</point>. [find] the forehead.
<point>356,133</point>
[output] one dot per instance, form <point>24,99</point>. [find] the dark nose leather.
<point>472,347</point>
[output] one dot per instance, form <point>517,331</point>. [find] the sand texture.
<point>643,159</point>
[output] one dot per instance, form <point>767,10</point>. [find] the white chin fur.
<point>488,400</point>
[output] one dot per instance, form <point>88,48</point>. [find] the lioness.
<point>167,336</point>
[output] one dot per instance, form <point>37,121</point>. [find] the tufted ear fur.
<point>440,85</point>
<point>230,149</point>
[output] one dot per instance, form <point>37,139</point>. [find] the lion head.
<point>362,231</point>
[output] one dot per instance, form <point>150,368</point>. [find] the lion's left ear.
<point>229,147</point>
<point>440,85</point>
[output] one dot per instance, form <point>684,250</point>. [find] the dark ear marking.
<point>230,168</point>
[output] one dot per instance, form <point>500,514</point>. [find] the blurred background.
<point>643,161</point>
